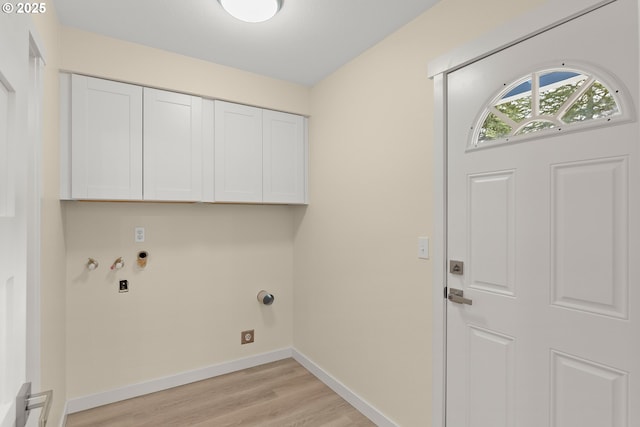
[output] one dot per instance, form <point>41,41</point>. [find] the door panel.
<point>5,186</point>
<point>492,361</point>
<point>14,68</point>
<point>583,193</point>
<point>491,264</point>
<point>548,230</point>
<point>584,393</point>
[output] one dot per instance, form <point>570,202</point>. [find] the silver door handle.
<point>457,296</point>
<point>25,402</point>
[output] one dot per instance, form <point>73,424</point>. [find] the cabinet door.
<point>238,153</point>
<point>106,139</point>
<point>284,155</point>
<point>172,146</point>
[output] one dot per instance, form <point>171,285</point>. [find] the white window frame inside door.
<point>551,14</point>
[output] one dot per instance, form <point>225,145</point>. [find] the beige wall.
<point>351,293</point>
<point>53,257</point>
<point>186,309</point>
<point>362,298</point>
<point>206,264</point>
<point>99,56</point>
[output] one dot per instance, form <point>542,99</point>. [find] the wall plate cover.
<point>423,247</point>
<point>139,234</point>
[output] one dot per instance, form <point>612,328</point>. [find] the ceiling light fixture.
<point>252,10</point>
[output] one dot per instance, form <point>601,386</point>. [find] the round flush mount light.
<point>252,10</point>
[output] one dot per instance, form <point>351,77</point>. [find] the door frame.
<point>551,14</point>
<point>28,140</point>
<point>35,106</point>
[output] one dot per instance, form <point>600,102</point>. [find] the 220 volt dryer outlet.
<point>247,337</point>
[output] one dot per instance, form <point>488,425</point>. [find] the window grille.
<point>545,101</point>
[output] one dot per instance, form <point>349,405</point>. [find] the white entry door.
<point>14,152</point>
<point>544,215</point>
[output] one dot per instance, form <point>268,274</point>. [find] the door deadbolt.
<point>456,267</point>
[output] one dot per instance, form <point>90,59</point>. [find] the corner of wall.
<point>52,251</point>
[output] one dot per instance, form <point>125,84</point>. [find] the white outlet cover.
<point>139,234</point>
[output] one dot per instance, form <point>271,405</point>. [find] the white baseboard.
<point>354,400</point>
<point>63,419</point>
<point>134,390</point>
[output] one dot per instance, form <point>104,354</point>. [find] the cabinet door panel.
<point>106,140</point>
<point>283,158</point>
<point>238,153</point>
<point>172,146</point>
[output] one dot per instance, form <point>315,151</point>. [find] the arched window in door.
<point>545,101</point>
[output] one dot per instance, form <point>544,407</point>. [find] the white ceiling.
<point>305,42</point>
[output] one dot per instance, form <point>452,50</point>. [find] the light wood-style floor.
<point>278,394</point>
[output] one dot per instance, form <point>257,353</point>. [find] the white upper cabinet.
<point>106,140</point>
<point>260,155</point>
<point>125,142</point>
<point>238,153</point>
<point>172,146</point>
<point>283,157</point>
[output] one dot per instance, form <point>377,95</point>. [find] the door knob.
<point>457,296</point>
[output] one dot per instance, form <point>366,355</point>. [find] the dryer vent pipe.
<point>265,298</point>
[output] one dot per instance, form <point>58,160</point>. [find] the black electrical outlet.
<point>124,286</point>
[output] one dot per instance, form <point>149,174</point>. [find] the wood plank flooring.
<point>278,394</point>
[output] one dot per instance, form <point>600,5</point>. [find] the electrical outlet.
<point>139,234</point>
<point>124,286</point>
<point>247,337</point>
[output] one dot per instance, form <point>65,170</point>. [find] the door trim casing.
<point>34,264</point>
<point>552,14</point>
